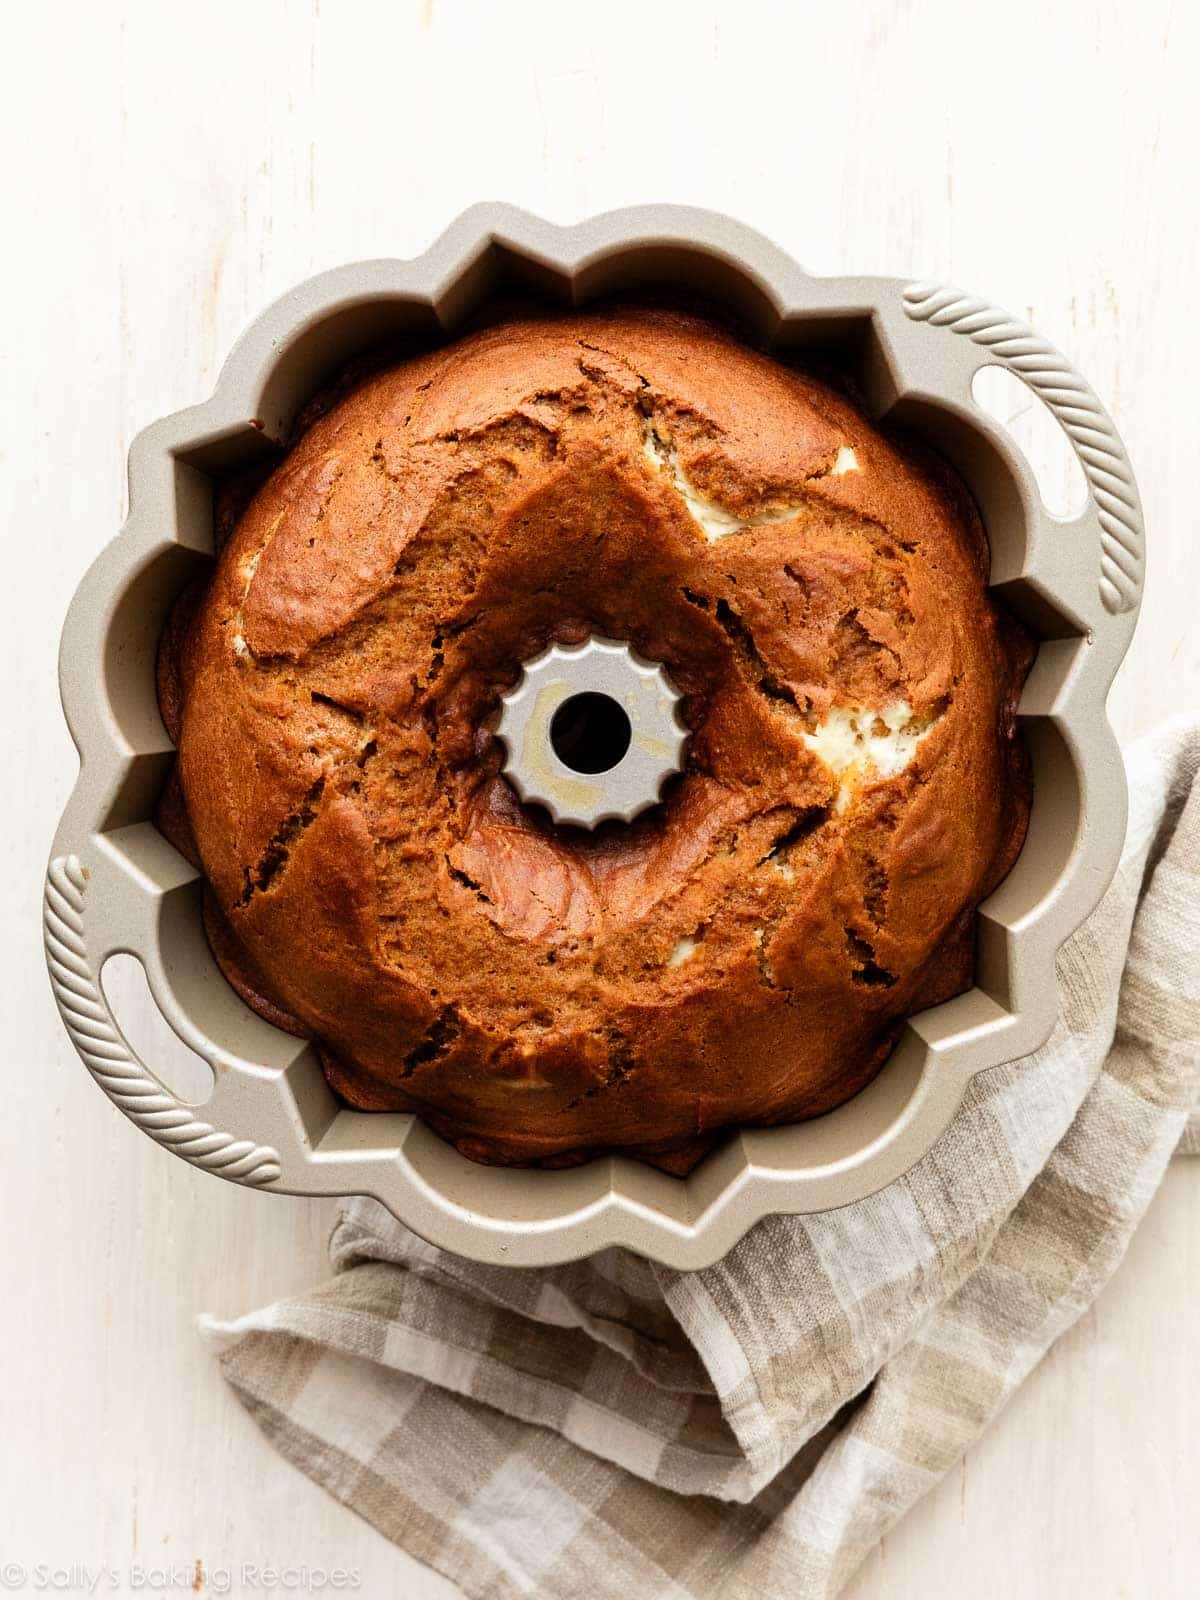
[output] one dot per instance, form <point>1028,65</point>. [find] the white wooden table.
<point>168,171</point>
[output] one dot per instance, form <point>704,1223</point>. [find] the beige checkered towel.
<point>615,1429</point>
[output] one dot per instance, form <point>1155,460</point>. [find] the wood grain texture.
<point>167,175</point>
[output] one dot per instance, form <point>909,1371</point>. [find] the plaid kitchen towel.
<point>615,1429</point>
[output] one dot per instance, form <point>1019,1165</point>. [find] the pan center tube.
<point>591,732</point>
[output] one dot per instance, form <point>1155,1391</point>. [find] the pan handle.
<point>107,1055</point>
<point>1102,455</point>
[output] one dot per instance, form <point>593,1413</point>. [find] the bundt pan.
<point>115,884</point>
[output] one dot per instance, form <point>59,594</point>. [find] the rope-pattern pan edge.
<point>1079,412</point>
<point>108,1058</point>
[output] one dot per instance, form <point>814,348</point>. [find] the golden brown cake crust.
<point>743,954</point>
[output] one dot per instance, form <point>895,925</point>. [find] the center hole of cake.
<point>590,732</point>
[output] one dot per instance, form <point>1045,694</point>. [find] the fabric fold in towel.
<point>616,1429</point>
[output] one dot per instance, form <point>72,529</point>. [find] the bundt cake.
<point>745,951</point>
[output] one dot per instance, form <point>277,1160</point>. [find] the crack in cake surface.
<point>279,848</point>
<point>858,742</point>
<point>714,520</point>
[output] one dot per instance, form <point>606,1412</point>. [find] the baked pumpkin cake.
<point>742,954</point>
